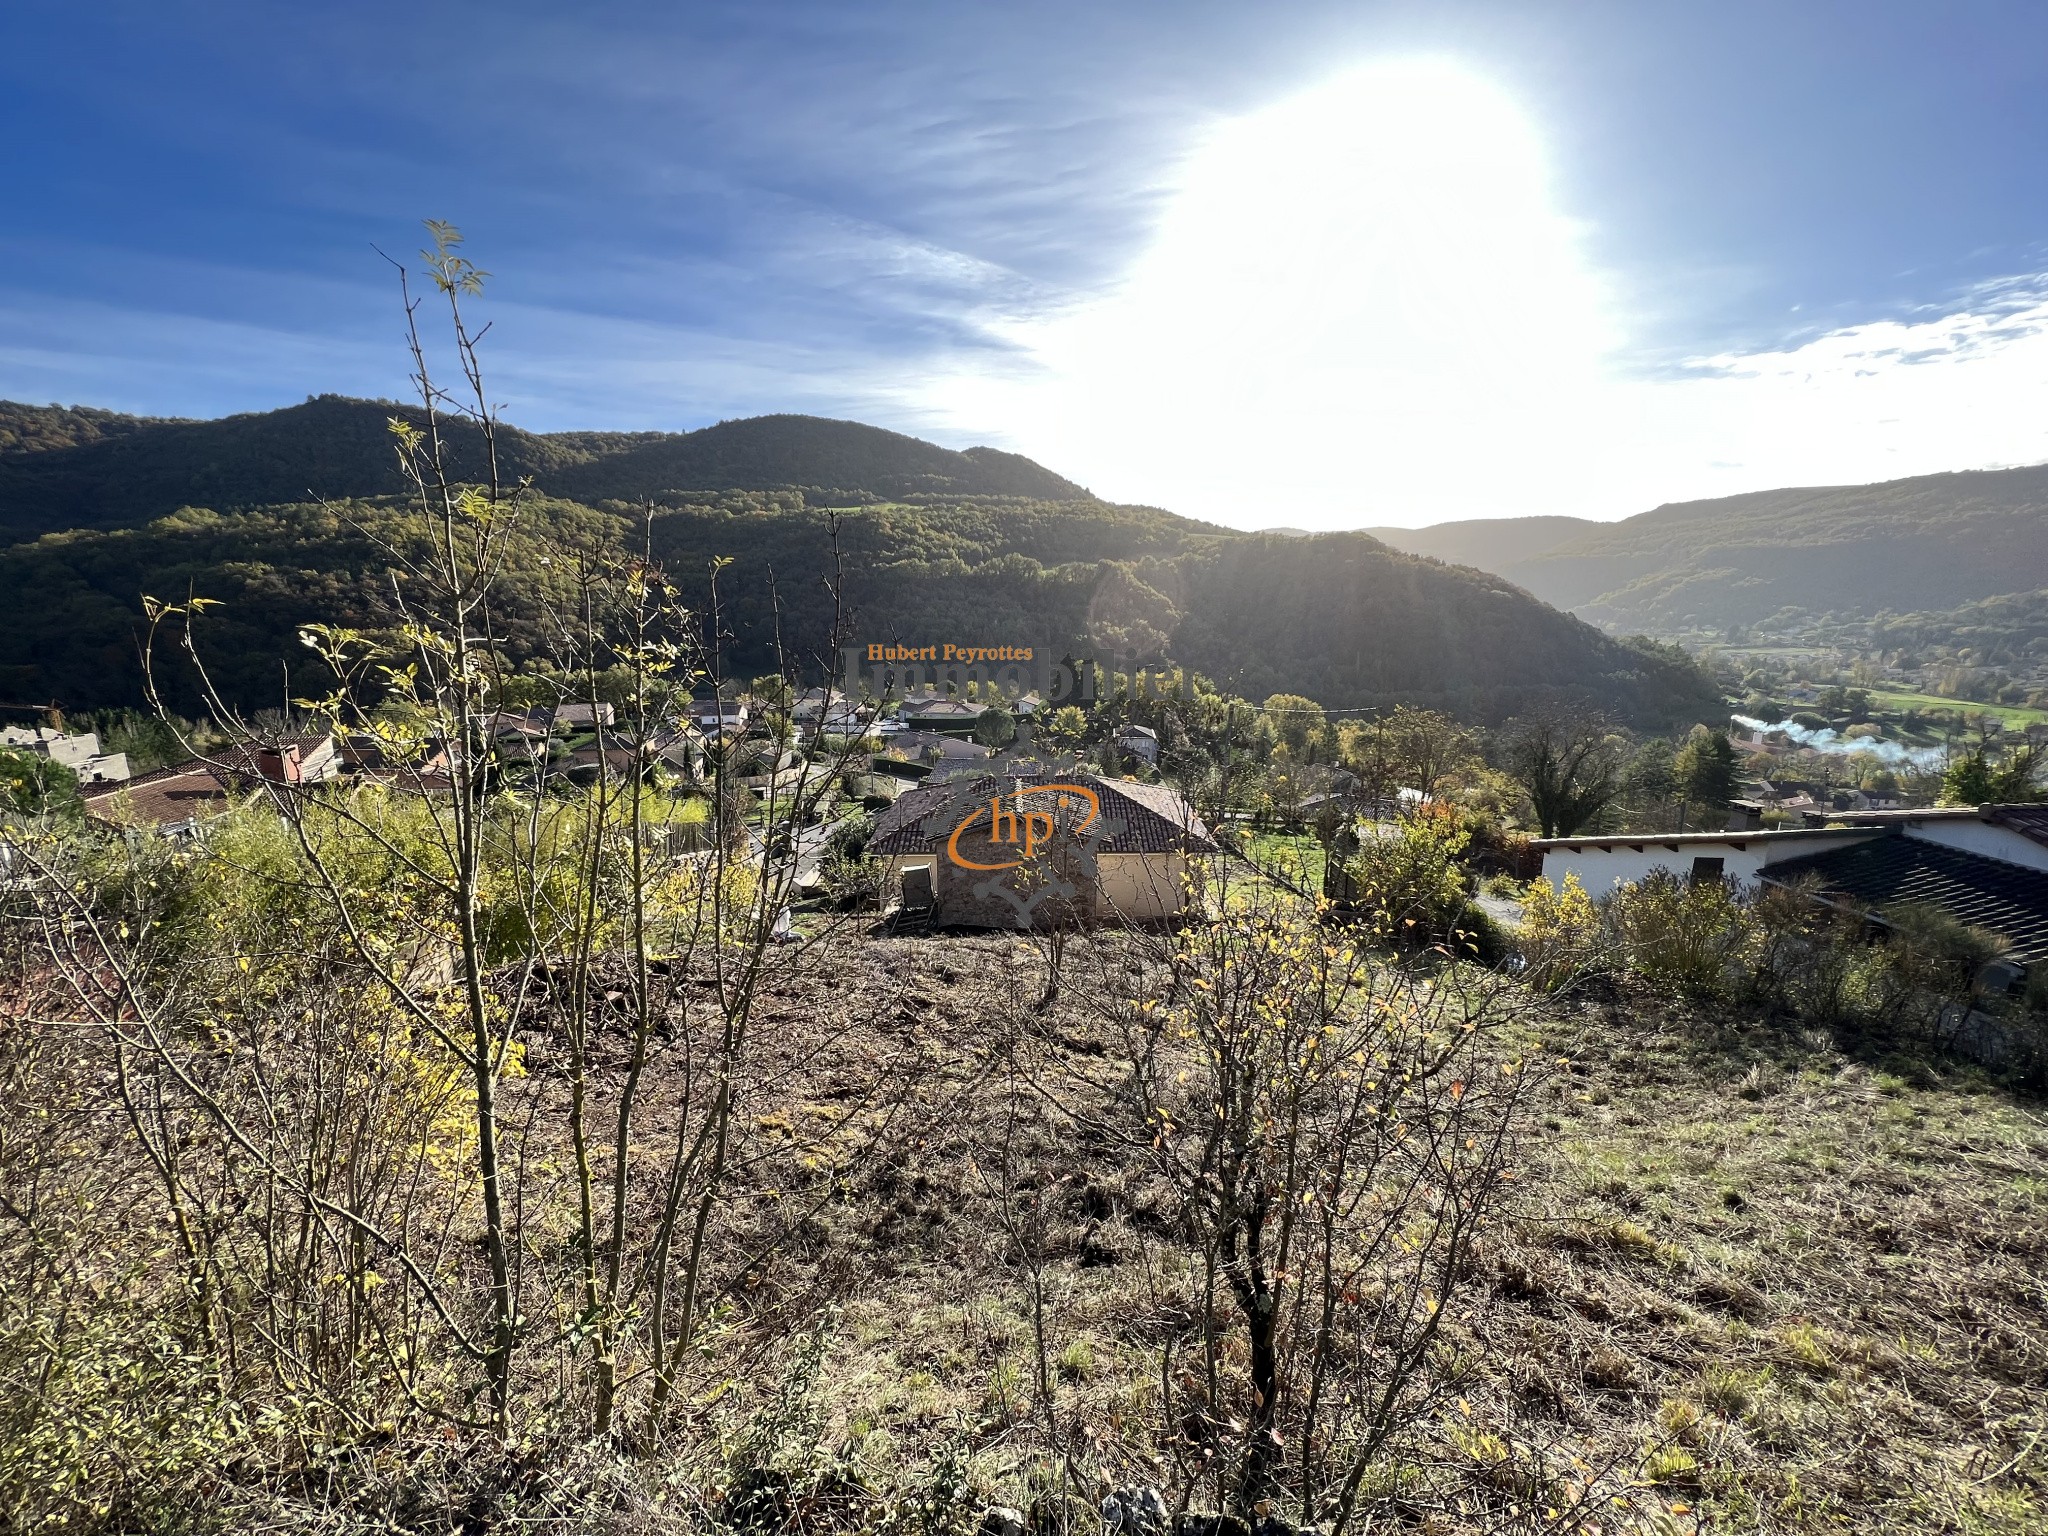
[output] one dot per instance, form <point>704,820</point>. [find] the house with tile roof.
<point>174,802</point>
<point>1016,850</point>
<point>178,800</point>
<point>939,755</point>
<point>938,712</point>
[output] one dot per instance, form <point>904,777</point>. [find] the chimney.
<point>279,765</point>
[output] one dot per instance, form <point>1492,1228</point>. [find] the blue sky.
<point>1302,264</point>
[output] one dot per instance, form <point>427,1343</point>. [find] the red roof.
<point>166,797</point>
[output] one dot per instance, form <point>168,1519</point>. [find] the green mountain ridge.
<point>971,547</point>
<point>1899,546</point>
<point>79,468</point>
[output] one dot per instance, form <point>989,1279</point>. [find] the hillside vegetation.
<point>281,517</point>
<point>97,470</point>
<point>1933,542</point>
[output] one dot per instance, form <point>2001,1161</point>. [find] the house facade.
<point>1014,851</point>
<point>80,753</point>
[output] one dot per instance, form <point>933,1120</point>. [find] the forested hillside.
<point>1930,543</point>
<point>283,518</point>
<point>40,428</point>
<point>97,470</point>
<point>805,450</point>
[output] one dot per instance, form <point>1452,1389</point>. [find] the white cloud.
<point>1362,304</point>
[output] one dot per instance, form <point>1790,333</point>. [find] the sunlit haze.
<point>1327,265</point>
<point>1363,304</point>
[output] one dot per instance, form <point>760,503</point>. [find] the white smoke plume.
<point>1894,754</point>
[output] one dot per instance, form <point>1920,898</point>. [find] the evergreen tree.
<point>1976,780</point>
<point>1705,770</point>
<point>33,784</point>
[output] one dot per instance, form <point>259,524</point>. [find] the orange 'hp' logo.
<point>1026,828</point>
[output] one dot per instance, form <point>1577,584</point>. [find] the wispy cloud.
<point>1070,230</point>
<point>1363,305</point>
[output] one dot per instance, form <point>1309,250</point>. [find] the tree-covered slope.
<point>1340,617</point>
<point>282,516</point>
<point>329,446</point>
<point>91,469</point>
<point>40,428</point>
<point>1348,621</point>
<point>1903,546</point>
<point>763,452</point>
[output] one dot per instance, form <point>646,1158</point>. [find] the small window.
<point>1705,869</point>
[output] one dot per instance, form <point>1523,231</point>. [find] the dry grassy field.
<point>1752,1281</point>
<point>1745,1278</point>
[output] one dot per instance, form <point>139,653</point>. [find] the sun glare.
<point>1358,276</point>
<point>1363,304</point>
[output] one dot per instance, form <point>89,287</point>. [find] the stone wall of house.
<point>1057,885</point>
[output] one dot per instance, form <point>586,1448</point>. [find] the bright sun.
<point>1339,279</point>
<point>1363,305</point>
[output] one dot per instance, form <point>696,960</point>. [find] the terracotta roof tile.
<point>167,797</point>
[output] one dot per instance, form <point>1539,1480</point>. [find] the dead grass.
<point>1779,1287</point>
<point>1754,1282</point>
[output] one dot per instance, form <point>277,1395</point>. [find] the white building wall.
<point>1601,868</point>
<point>1981,837</point>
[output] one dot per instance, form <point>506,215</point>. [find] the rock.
<point>1001,1520</point>
<point>1134,1512</point>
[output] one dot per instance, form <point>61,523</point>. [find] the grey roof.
<point>2007,899</point>
<point>1138,818</point>
<point>932,741</point>
<point>940,708</point>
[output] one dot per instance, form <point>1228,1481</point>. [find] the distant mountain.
<point>39,428</point>
<point>1488,543</point>
<point>95,469</point>
<point>934,545</point>
<point>1904,546</point>
<point>329,446</point>
<point>764,452</point>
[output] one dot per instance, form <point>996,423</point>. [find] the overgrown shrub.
<point>1686,937</point>
<point>1909,968</point>
<point>1409,883</point>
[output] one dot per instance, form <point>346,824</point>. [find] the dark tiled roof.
<point>2030,821</point>
<point>1140,818</point>
<point>931,741</point>
<point>1986,893</point>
